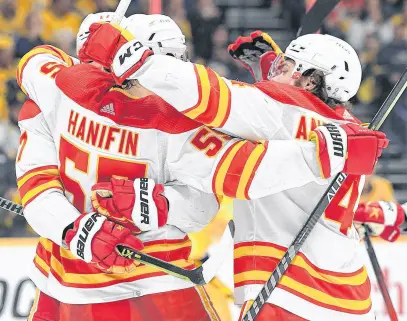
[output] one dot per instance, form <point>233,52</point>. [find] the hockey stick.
<point>379,275</point>
<point>120,11</point>
<point>199,276</point>
<point>316,15</point>
<point>323,203</point>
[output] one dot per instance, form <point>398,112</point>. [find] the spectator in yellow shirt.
<point>32,35</point>
<point>377,189</point>
<point>60,14</point>
<point>12,16</point>
<point>85,6</point>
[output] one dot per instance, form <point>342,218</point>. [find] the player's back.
<point>65,150</point>
<point>92,149</point>
<point>327,280</point>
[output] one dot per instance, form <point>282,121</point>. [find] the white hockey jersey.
<point>65,149</point>
<point>327,280</point>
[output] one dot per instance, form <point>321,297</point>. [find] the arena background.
<point>376,28</point>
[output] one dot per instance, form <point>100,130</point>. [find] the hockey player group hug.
<point>132,144</point>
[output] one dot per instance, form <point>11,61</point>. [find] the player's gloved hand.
<point>139,205</point>
<point>93,238</point>
<point>382,218</point>
<point>256,52</point>
<point>347,148</point>
<point>128,60</point>
<point>112,47</point>
<point>104,40</point>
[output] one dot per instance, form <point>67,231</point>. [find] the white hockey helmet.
<point>158,32</point>
<point>87,22</point>
<point>334,57</point>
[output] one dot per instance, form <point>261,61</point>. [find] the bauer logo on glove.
<point>93,239</point>
<point>138,205</point>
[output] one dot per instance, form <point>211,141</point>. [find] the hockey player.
<point>71,139</point>
<point>76,269</point>
<point>327,280</point>
<point>257,52</point>
<point>82,275</point>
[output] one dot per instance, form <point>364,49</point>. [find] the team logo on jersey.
<point>108,109</point>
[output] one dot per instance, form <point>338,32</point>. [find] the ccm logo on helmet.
<point>336,140</point>
<point>90,223</point>
<point>144,209</point>
<point>130,50</point>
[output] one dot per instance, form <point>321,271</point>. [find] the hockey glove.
<point>104,40</point>
<point>139,205</point>
<point>256,52</point>
<point>128,60</point>
<point>347,148</point>
<point>382,218</point>
<point>93,239</point>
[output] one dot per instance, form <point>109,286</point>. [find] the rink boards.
<point>17,291</point>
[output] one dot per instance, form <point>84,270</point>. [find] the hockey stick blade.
<point>379,275</point>
<point>201,275</point>
<point>320,208</point>
<point>315,16</point>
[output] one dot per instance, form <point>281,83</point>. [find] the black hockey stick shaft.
<point>323,203</point>
<point>195,275</point>
<point>379,276</point>
<point>315,16</point>
<point>11,206</point>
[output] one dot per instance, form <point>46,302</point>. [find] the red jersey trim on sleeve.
<point>46,49</point>
<point>237,167</point>
<point>28,110</point>
<point>37,181</point>
<point>213,107</point>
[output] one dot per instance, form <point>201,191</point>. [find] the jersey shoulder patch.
<point>28,110</point>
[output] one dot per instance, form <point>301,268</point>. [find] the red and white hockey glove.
<point>104,40</point>
<point>139,205</point>
<point>382,218</point>
<point>93,239</point>
<point>114,48</point>
<point>128,60</point>
<point>347,148</point>
<point>256,52</point>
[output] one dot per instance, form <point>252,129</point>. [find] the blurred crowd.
<point>376,28</point>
